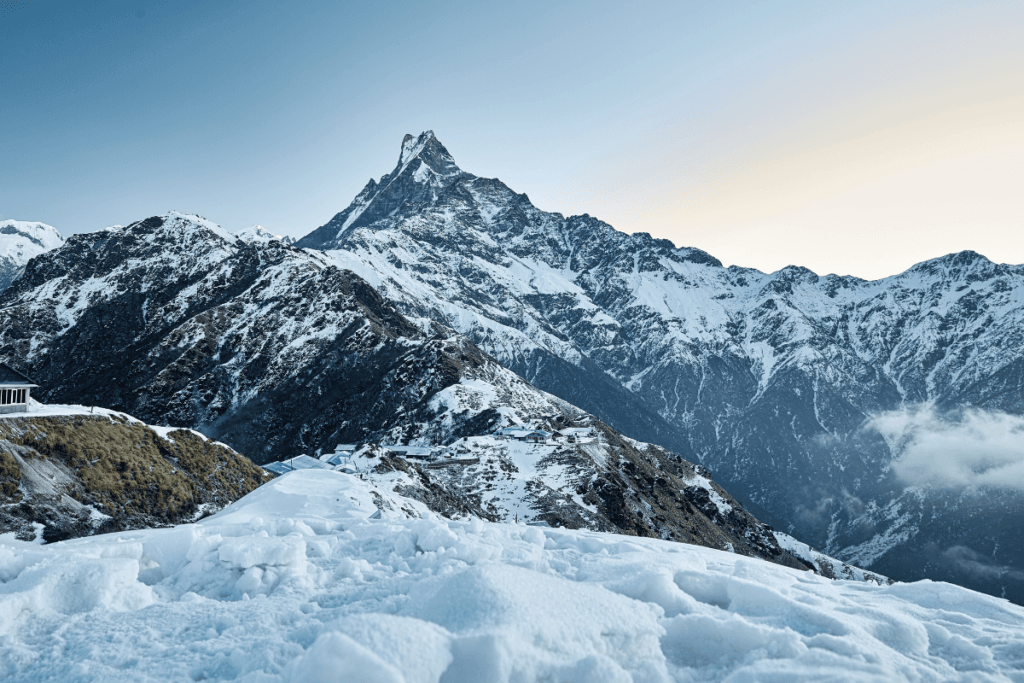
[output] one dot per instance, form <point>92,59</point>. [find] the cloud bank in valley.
<point>971,449</point>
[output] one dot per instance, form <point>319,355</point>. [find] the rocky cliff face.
<point>773,381</point>
<point>276,351</point>
<point>75,473</point>
<point>19,242</point>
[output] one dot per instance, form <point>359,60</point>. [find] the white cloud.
<point>971,449</point>
<point>971,562</point>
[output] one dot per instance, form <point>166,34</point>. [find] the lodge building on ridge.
<point>14,390</point>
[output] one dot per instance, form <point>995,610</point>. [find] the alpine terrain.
<point>785,385</point>
<point>276,351</point>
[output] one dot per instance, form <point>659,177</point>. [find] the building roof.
<point>527,433</point>
<point>299,462</point>
<point>336,458</point>
<point>9,375</point>
<point>411,451</point>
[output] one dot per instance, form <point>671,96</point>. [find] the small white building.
<point>410,451</point>
<point>522,434</point>
<point>14,390</point>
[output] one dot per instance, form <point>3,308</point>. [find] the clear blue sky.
<point>849,137</point>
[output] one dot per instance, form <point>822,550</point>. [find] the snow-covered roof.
<point>299,462</point>
<point>336,458</point>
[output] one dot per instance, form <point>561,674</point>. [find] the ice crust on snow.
<point>295,582</point>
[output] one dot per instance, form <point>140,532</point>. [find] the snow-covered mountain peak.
<point>413,145</point>
<point>185,231</point>
<point>174,220</point>
<point>40,234</point>
<point>955,266</point>
<point>432,155</point>
<point>761,376</point>
<point>425,171</point>
<point>257,233</point>
<point>19,242</point>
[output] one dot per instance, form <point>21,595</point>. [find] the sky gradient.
<point>857,139</point>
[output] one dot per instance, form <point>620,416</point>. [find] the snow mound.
<point>296,582</point>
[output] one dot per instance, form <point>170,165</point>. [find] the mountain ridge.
<point>275,351</point>
<point>769,379</point>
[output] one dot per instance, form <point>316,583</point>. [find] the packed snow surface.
<point>296,582</point>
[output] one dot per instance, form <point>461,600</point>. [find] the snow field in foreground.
<point>295,583</point>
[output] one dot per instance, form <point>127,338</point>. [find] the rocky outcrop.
<point>63,476</point>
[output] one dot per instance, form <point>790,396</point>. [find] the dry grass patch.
<point>10,475</point>
<point>128,471</point>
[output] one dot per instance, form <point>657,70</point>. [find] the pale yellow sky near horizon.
<point>850,164</point>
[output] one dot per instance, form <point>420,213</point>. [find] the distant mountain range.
<point>785,385</point>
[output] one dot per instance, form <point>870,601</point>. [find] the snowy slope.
<point>770,380</point>
<point>603,483</point>
<point>296,583</point>
<point>20,241</point>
